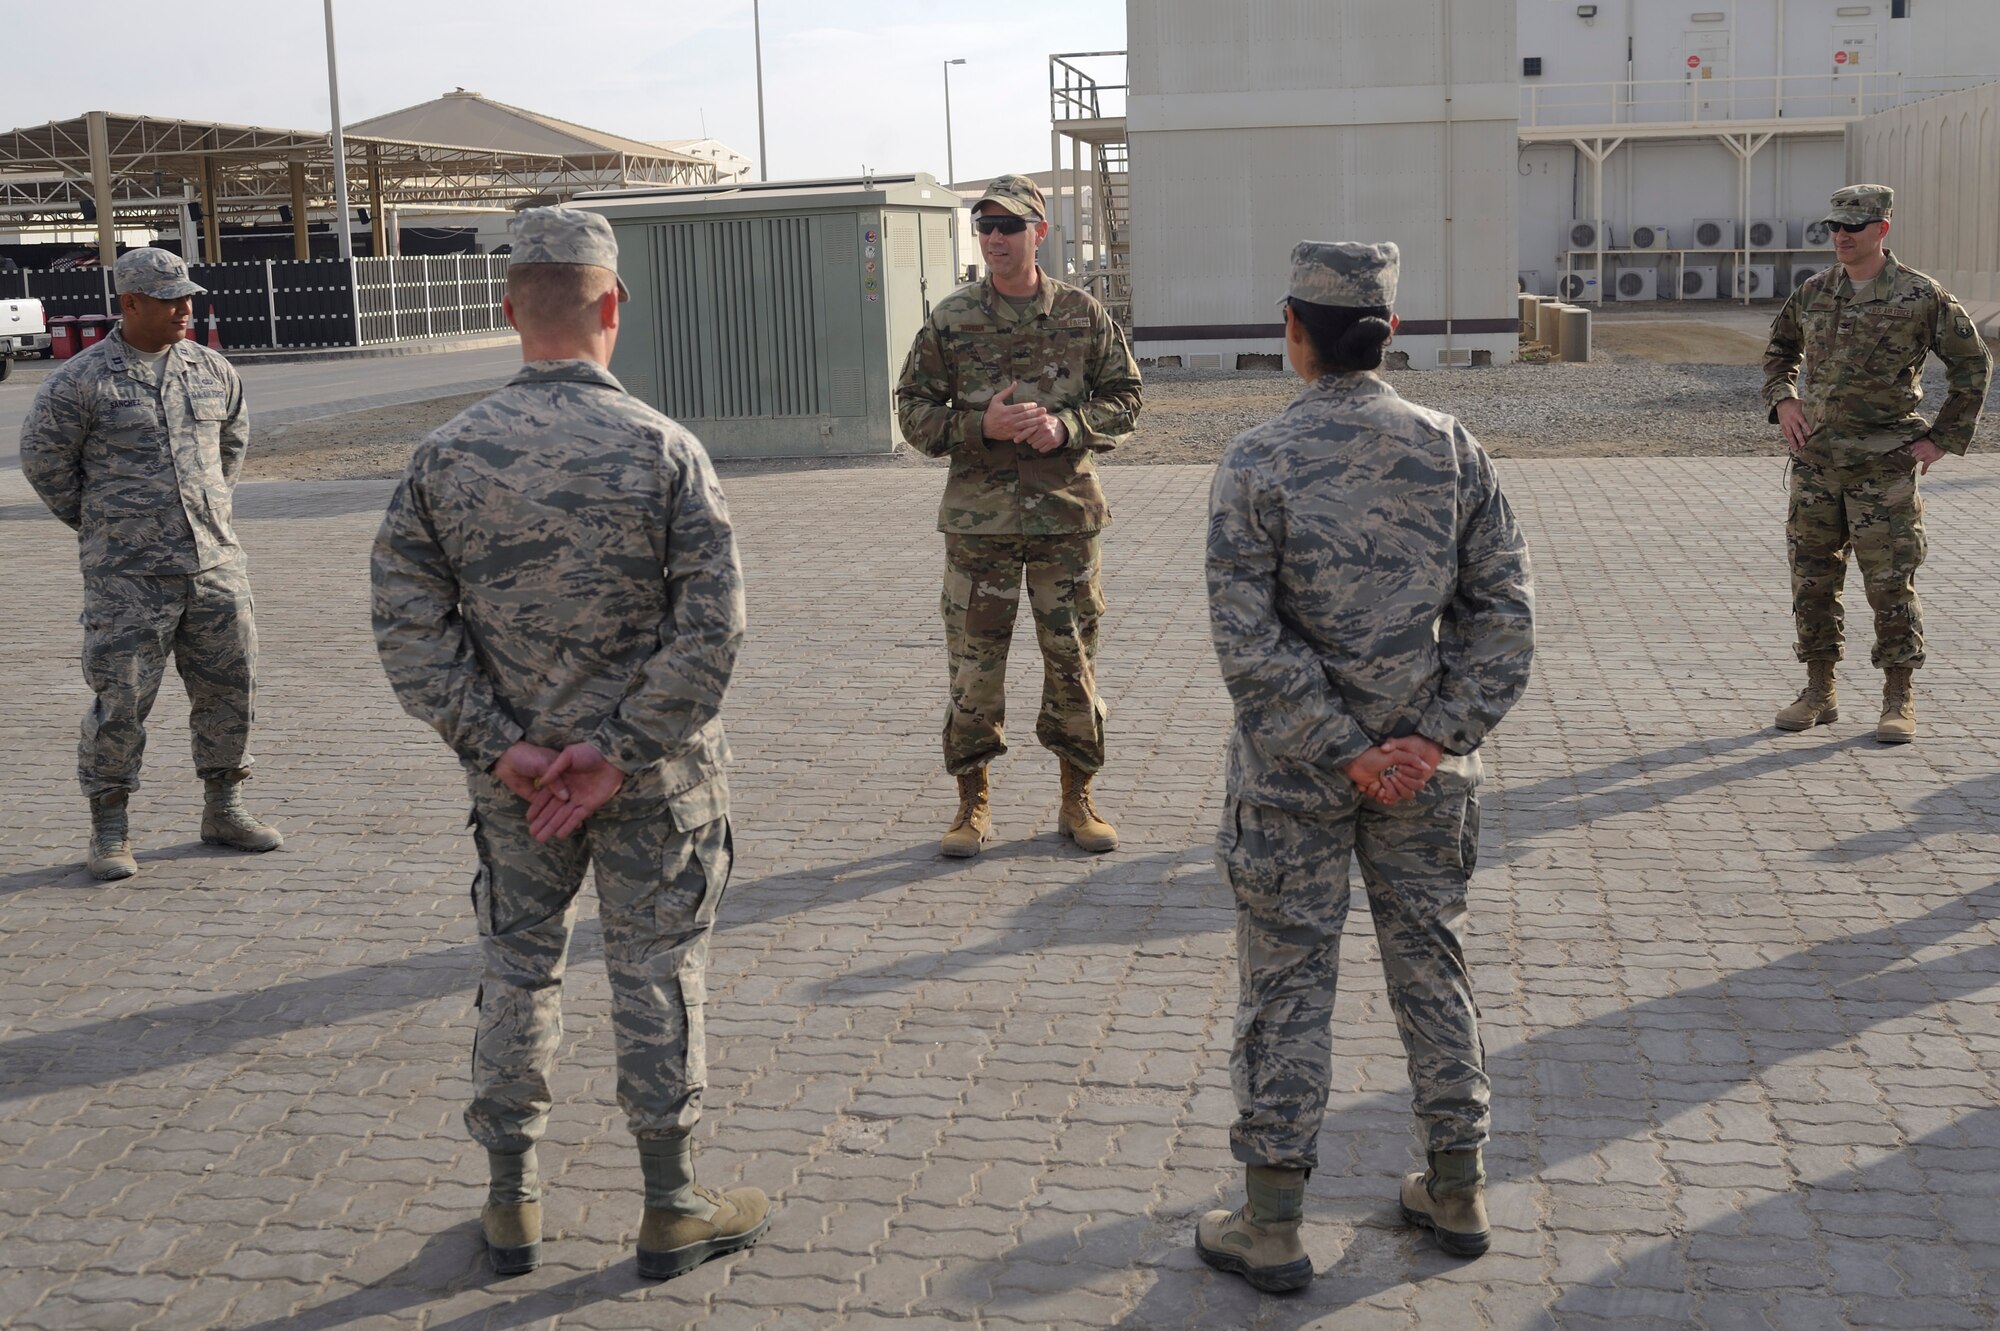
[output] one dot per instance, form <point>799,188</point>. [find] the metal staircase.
<point>1087,108</point>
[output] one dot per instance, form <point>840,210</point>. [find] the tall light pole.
<point>950,170</point>
<point>339,145</point>
<point>757,35</point>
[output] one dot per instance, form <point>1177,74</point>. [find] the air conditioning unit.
<point>1531,281</point>
<point>1589,235</point>
<point>1714,233</point>
<point>1699,283</point>
<point>1636,284</point>
<point>1769,233</point>
<point>1651,236</point>
<point>1759,281</point>
<point>1816,235</point>
<point>1582,289</point>
<point>1800,272</point>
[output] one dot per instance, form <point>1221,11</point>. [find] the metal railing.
<point>291,303</point>
<point>1075,93</point>
<point>1698,101</point>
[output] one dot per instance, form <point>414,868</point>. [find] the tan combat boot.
<point>1899,707</point>
<point>684,1223</point>
<point>110,854</point>
<point>1260,1240</point>
<point>973,827</point>
<point>1817,705</point>
<point>512,1217</point>
<point>1449,1199</point>
<point>225,822</point>
<point>1079,819</point>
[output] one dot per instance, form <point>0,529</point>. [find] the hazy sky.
<point>845,84</point>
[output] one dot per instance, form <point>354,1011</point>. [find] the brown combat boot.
<point>973,827</point>
<point>1260,1240</point>
<point>110,854</point>
<point>1817,705</point>
<point>512,1216</point>
<point>685,1224</point>
<point>1899,707</point>
<point>1449,1199</point>
<point>1079,819</point>
<point>225,822</point>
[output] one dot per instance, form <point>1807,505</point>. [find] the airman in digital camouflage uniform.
<point>137,444</point>
<point>1863,328</point>
<point>557,593</point>
<point>1370,605</point>
<point>1019,379</point>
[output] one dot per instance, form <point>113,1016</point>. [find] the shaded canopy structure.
<point>148,171</point>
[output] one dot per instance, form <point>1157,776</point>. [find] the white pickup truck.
<point>24,332</point>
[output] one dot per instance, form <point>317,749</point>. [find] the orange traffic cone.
<point>214,336</point>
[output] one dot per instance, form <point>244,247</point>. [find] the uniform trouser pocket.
<point>129,626</point>
<point>216,654</point>
<point>524,902</point>
<point>1416,862</point>
<point>658,890</point>
<point>1288,873</point>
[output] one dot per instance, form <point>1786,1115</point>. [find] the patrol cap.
<point>1018,195</point>
<point>1344,272</point>
<point>1861,203</point>
<point>565,235</point>
<point>154,272</point>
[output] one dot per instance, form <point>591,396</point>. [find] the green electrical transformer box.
<point>772,319</point>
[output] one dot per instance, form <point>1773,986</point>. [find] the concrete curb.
<point>428,347</point>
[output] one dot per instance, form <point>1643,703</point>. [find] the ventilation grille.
<point>1764,235</point>
<point>1583,236</point>
<point>1630,285</point>
<point>739,323</point>
<point>1818,235</point>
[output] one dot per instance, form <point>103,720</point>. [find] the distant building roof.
<point>466,119</point>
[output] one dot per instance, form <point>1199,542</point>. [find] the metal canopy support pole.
<point>301,239</point>
<point>211,217</point>
<point>377,224</point>
<point>100,188</point>
<point>342,222</point>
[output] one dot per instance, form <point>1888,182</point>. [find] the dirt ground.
<point>1189,418</point>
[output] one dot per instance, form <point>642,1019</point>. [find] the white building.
<point>729,164</point>
<point>1256,124</point>
<point>1723,117</point>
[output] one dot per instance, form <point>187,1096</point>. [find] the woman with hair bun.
<point>1371,609</point>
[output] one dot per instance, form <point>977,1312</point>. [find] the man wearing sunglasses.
<point>1863,329</point>
<point>1019,379</point>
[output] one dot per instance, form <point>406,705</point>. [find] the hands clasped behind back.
<point>562,788</point>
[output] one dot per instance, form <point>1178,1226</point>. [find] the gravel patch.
<point>1619,405</point>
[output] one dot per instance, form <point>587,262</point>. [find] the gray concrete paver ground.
<point>1738,985</point>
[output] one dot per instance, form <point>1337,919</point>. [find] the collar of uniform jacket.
<point>566,372</point>
<point>1880,288</point>
<point>1003,312</point>
<point>116,347</point>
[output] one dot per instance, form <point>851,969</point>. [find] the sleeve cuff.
<point>621,750</point>
<point>488,748</point>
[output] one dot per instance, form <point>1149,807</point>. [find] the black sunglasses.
<point>1851,228</point>
<point>1006,226</point>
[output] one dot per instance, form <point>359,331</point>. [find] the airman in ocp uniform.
<point>1372,615</point>
<point>556,592</point>
<point>1019,380</point>
<point>1863,329</point>
<point>136,444</point>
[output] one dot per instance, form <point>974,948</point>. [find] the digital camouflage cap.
<point>158,273</point>
<point>565,235</point>
<point>1018,195</point>
<point>1344,272</point>
<point>1862,203</point>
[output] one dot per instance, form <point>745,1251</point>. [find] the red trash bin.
<point>91,329</point>
<point>62,336</point>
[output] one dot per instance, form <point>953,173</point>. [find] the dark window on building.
<point>1531,65</point>
<point>1899,8</point>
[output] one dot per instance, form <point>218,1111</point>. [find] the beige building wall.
<point>1942,157</point>
<point>1259,123</point>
